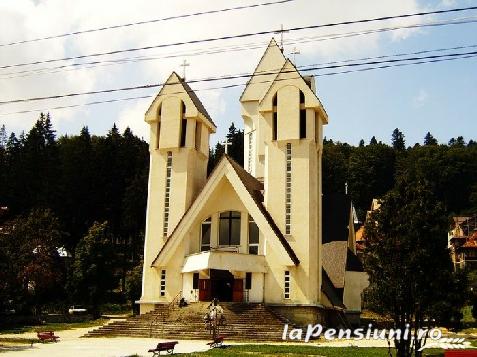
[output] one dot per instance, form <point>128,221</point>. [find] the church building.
<point>249,234</point>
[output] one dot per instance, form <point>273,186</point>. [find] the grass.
<point>293,350</point>
<point>59,326</point>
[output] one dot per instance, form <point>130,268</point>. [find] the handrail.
<point>164,314</point>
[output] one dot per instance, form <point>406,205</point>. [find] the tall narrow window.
<point>286,286</point>
<point>195,281</point>
<point>183,125</point>
<point>229,228</point>
<point>275,117</point>
<point>250,153</point>
<point>158,134</point>
<point>168,193</point>
<point>163,283</point>
<point>248,281</point>
<point>198,134</point>
<point>253,236</point>
<point>205,235</point>
<point>302,116</point>
<point>288,190</point>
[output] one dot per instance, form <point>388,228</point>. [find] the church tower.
<point>281,108</point>
<point>180,128</point>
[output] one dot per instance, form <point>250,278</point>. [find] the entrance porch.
<point>227,276</point>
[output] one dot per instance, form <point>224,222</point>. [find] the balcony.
<point>224,260</point>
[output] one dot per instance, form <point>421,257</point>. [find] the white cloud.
<point>25,19</point>
<point>421,98</point>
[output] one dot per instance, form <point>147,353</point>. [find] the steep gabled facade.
<point>251,234</point>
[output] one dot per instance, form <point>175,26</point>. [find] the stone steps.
<point>250,322</point>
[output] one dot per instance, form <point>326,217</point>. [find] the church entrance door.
<point>221,284</point>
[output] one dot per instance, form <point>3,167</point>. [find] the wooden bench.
<point>47,336</point>
<point>217,342</point>
<point>163,346</point>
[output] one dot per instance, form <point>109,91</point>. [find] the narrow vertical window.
<point>205,235</point>
<point>158,134</point>
<point>248,281</point>
<point>302,116</point>
<point>198,134</point>
<point>275,117</point>
<point>253,236</point>
<point>163,283</point>
<point>195,281</point>
<point>250,148</point>
<point>183,125</point>
<point>286,286</point>
<point>168,192</point>
<point>288,190</point>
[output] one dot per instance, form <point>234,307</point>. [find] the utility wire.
<point>240,85</point>
<point>239,76</point>
<point>217,50</point>
<point>244,35</point>
<point>146,22</point>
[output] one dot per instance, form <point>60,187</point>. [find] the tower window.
<point>198,134</point>
<point>205,235</point>
<point>183,125</point>
<point>302,116</point>
<point>158,134</point>
<point>253,236</point>
<point>163,283</point>
<point>286,286</point>
<point>168,193</point>
<point>250,148</point>
<point>288,190</point>
<point>229,228</point>
<point>275,118</point>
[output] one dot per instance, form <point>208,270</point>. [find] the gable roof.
<point>334,262</point>
<point>175,79</point>
<point>266,70</point>
<point>251,188</point>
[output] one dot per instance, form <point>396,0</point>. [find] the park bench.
<point>217,342</point>
<point>47,336</point>
<point>163,346</point>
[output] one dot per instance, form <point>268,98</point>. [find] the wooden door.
<point>238,290</point>
<point>204,290</point>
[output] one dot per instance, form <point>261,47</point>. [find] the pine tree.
<point>361,143</point>
<point>373,141</point>
<point>397,140</point>
<point>429,139</point>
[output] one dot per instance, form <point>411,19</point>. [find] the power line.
<point>241,84</point>
<point>146,22</point>
<point>244,35</point>
<point>235,76</point>
<point>216,50</point>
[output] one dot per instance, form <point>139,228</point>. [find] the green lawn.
<point>54,326</point>
<point>280,350</point>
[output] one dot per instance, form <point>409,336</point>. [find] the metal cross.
<point>226,144</point>
<point>281,32</point>
<point>294,53</point>
<point>184,65</point>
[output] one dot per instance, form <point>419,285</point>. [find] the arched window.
<point>302,116</point>
<point>275,117</point>
<point>229,228</point>
<point>183,125</point>
<point>205,235</point>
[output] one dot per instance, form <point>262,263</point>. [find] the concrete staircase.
<point>244,322</point>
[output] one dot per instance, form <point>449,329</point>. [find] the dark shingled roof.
<point>336,213</point>
<point>195,99</point>
<point>333,294</point>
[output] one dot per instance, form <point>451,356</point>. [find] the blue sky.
<point>438,97</point>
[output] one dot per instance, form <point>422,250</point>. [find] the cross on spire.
<point>281,32</point>
<point>295,52</point>
<point>184,65</point>
<point>226,144</point>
